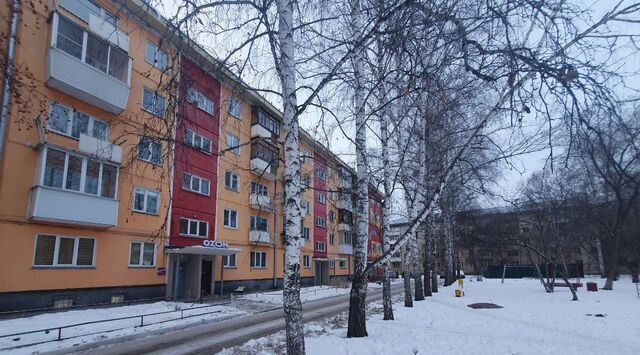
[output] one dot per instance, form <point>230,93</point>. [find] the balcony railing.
<point>99,148</point>
<point>258,130</point>
<point>262,168</point>
<point>345,249</point>
<point>259,236</point>
<point>57,205</point>
<point>260,201</point>
<point>344,227</point>
<point>344,204</point>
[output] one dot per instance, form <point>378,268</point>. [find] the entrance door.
<point>317,275</point>
<point>205,279</point>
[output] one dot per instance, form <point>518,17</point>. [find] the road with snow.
<point>215,336</point>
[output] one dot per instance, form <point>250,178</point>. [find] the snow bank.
<point>306,294</point>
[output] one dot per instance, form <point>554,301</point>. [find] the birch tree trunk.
<point>292,304</point>
<point>434,263</point>
<point>426,263</point>
<point>386,215</point>
<point>357,326</point>
<point>448,248</point>
<point>407,263</point>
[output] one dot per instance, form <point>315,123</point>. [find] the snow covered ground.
<point>531,322</point>
<point>306,294</point>
<point>193,313</point>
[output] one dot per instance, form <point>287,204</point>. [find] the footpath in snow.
<point>530,322</point>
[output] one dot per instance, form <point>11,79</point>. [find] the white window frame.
<point>196,235</point>
<point>259,189</point>
<point>320,244</point>
<point>253,256</point>
<point>306,233</point>
<point>332,239</point>
<point>320,197</point>
<point>106,15</point>
<point>231,102</point>
<point>192,178</point>
<point>342,264</point>
<point>253,221</point>
<point>57,250</point>
<point>142,249</point>
<point>306,261</point>
<point>148,108</point>
<point>152,148</point>
<point>146,192</point>
<point>306,205</point>
<point>320,174</point>
<point>192,142</point>
<point>156,57</point>
<point>320,222</point>
<point>233,148</point>
<point>83,173</point>
<point>70,120</point>
<point>225,261</point>
<point>232,175</point>
<point>228,211</point>
<point>202,102</point>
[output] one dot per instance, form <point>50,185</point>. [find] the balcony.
<point>80,80</point>
<point>262,168</point>
<point>261,202</point>
<point>99,148</point>
<point>343,204</point>
<point>56,205</point>
<point>259,236</point>
<point>107,31</point>
<point>345,249</point>
<point>258,130</point>
<point>344,227</point>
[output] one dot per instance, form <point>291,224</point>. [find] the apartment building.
<point>131,186</point>
<point>80,198</point>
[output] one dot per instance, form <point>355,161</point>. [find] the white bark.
<point>292,213</point>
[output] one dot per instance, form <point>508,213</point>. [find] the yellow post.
<point>461,283</point>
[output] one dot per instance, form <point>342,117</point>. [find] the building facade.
<point>134,187</point>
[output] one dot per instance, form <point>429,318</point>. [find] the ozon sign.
<point>215,244</point>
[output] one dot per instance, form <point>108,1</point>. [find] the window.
<point>231,181</point>
<point>306,261</point>
<point>305,156</point>
<point>230,218</point>
<point>195,184</point>
<point>268,122</point>
<point>259,189</point>
<point>342,264</point>
<point>194,228</point>
<point>67,171</point>
<point>204,103</point>
<point>84,8</point>
<point>145,201</point>
<point>320,222</point>
<point>332,216</point>
<point>54,250</point>
<point>92,50</point>
<point>320,174</point>
<point>233,143</point>
<point>259,224</point>
<point>320,197</point>
<point>306,233</point>
<point>332,239</point>
<point>331,195</point>
<point>153,103</point>
<point>306,206</point>
<point>197,141</point>
<point>345,239</point>
<point>73,123</point>
<point>150,150</point>
<point>156,57</point>
<point>525,229</point>
<point>229,261</point>
<point>142,254</point>
<point>320,246</point>
<point>258,259</point>
<point>234,107</point>
<point>306,180</point>
<point>332,264</point>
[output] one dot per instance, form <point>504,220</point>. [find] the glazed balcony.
<point>70,207</point>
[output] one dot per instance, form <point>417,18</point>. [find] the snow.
<point>531,322</point>
<point>104,330</point>
<point>306,294</point>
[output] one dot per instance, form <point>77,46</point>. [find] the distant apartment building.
<point>117,184</point>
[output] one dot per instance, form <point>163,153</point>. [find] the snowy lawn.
<point>531,322</point>
<point>192,313</point>
<point>307,293</point>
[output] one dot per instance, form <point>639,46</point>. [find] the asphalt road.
<point>213,337</point>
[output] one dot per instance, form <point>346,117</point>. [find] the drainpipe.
<point>8,77</point>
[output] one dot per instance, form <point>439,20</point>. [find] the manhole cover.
<point>484,306</point>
